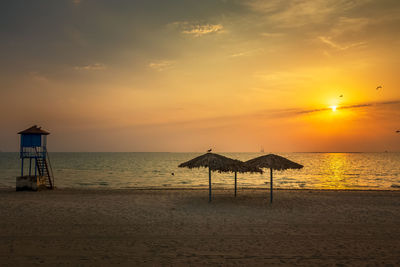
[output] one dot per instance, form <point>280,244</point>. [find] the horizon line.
<point>269,152</point>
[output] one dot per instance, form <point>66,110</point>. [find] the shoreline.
<point>205,189</point>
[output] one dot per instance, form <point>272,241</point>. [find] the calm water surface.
<point>138,170</point>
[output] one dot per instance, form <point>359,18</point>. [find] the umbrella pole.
<point>209,184</point>
<point>235,182</point>
<point>271,184</point>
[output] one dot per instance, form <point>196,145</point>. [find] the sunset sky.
<point>187,75</point>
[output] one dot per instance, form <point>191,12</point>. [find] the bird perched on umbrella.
<point>379,87</point>
<point>208,151</point>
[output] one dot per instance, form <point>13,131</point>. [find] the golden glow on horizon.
<point>333,108</point>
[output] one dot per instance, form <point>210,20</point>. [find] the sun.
<point>333,108</point>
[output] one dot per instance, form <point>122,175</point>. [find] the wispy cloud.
<point>342,29</point>
<point>336,45</point>
<point>197,29</point>
<point>296,13</point>
<point>268,114</point>
<point>161,65</point>
<point>346,25</point>
<point>245,53</point>
<point>91,67</point>
<point>356,106</point>
<point>38,77</point>
<point>240,54</point>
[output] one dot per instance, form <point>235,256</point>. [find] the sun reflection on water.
<point>335,176</point>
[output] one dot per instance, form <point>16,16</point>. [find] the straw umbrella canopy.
<point>273,162</point>
<point>215,162</point>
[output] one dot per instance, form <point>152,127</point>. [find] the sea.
<point>355,171</point>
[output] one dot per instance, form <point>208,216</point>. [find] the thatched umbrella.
<point>273,162</point>
<point>215,162</point>
<point>242,168</point>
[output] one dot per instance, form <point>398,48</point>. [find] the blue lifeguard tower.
<point>33,147</point>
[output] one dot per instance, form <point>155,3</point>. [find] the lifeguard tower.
<point>33,148</point>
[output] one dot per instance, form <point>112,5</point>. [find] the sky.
<point>189,75</point>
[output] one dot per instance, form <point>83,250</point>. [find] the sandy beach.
<point>67,227</point>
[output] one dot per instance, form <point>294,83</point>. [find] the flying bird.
<point>341,96</point>
<point>209,150</point>
<point>379,87</point>
<point>398,131</point>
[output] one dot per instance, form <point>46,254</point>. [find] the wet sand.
<point>179,227</point>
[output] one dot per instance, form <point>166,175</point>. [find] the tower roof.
<point>34,130</point>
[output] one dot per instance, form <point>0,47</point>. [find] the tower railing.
<point>50,168</point>
<point>33,152</point>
